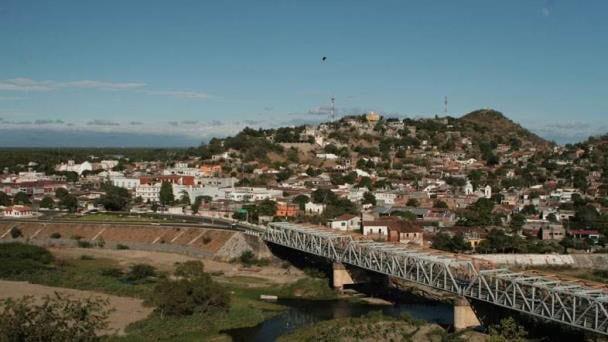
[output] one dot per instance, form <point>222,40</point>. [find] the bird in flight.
<point>323,59</point>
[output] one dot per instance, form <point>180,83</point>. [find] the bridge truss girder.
<point>567,303</point>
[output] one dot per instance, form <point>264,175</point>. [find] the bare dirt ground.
<point>126,310</point>
<point>166,262</point>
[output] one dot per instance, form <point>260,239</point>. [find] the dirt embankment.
<point>166,262</point>
<point>192,241</point>
<point>126,310</point>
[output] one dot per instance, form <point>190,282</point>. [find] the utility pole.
<point>445,108</point>
<point>333,108</point>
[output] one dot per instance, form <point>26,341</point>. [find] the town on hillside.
<point>476,184</point>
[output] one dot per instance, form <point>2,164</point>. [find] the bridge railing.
<point>568,303</point>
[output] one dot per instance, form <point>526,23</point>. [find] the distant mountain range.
<point>55,138</point>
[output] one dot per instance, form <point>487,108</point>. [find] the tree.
<point>517,221</point>
<point>115,198</point>
<point>69,202</point>
<point>47,202</point>
<point>5,200</point>
<point>191,294</point>
<point>60,193</point>
<point>267,207</point>
<point>507,331</point>
<point>140,272</point>
<point>369,198</point>
<point>54,318</point>
<point>190,269</point>
<point>166,194</point>
<point>185,199</point>
<point>439,204</point>
<point>406,215</point>
<point>301,201</point>
<point>21,198</point>
<point>197,204</point>
<point>412,202</point>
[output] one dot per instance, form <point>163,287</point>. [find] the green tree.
<point>369,198</point>
<point>507,331</point>
<point>21,198</point>
<point>54,318</point>
<point>185,199</point>
<point>301,201</point>
<point>267,207</point>
<point>412,202</point>
<point>115,198</point>
<point>166,194</point>
<point>69,202</point>
<point>517,221</point>
<point>5,200</point>
<point>440,204</point>
<point>60,193</point>
<point>47,202</point>
<point>190,269</point>
<point>190,295</point>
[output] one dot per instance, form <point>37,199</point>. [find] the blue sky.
<point>203,68</point>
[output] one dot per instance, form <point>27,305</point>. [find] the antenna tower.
<point>445,108</point>
<point>332,112</point>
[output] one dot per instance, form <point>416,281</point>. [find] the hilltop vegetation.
<point>492,125</point>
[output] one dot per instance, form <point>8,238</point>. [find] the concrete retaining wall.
<point>598,261</point>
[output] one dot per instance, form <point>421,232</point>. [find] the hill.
<point>492,125</point>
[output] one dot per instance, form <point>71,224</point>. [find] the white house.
<point>18,211</point>
<point>376,228</point>
<point>314,208</point>
<point>125,182</point>
<point>345,222</point>
<point>327,156</point>
<point>148,192</point>
<point>71,166</point>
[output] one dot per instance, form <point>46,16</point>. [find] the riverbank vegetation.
<point>371,327</point>
<point>206,304</point>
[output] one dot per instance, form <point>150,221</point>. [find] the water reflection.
<point>302,313</point>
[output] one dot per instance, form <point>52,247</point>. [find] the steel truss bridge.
<point>570,303</point>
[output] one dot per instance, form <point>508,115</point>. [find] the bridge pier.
<point>464,316</point>
<point>340,276</point>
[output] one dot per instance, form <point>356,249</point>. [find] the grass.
<point>245,311</point>
<point>373,326</point>
<point>86,274</point>
<point>106,276</point>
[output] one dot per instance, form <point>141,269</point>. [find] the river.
<point>302,313</point>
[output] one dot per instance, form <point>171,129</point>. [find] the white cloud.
<point>179,94</point>
<point>27,84</point>
<point>23,84</point>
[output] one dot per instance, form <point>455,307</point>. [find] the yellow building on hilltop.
<point>372,117</point>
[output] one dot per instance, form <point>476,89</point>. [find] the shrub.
<point>55,236</point>
<point>55,318</point>
<point>86,257</point>
<point>140,272</point>
<point>84,244</point>
<point>188,296</point>
<point>247,258</point>
<point>206,240</point>
<point>101,243</point>
<point>16,233</point>
<point>113,272</point>
<point>190,269</point>
<point>121,246</point>
<point>18,259</point>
